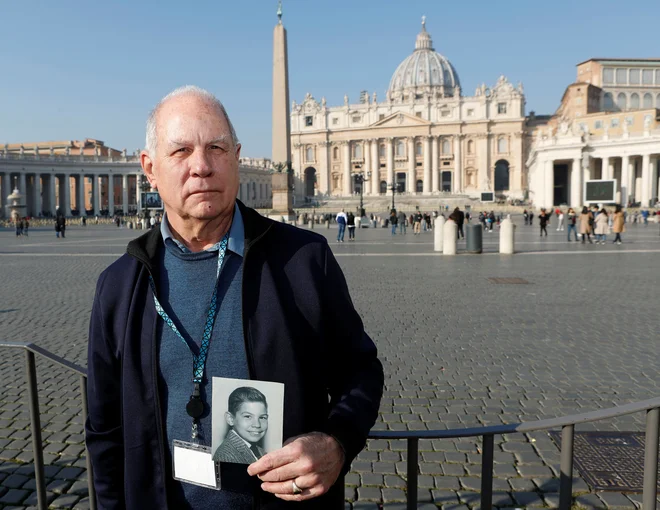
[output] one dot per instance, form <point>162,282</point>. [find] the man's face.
<point>250,421</point>
<point>195,165</point>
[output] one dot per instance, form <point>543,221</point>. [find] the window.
<point>445,113</point>
<point>335,121</point>
<point>608,102</point>
<point>501,108</point>
<point>357,151</point>
<point>647,76</point>
<point>357,118</point>
<point>446,163</point>
<point>309,120</point>
<point>400,148</point>
<point>381,151</point>
<point>309,154</point>
<point>381,116</point>
<point>621,101</point>
<point>634,101</point>
<point>648,101</point>
<point>615,122</point>
<point>446,146</point>
<point>608,76</point>
<point>418,149</point>
<point>621,77</point>
<point>470,112</point>
<point>418,114</point>
<point>657,101</point>
<point>335,153</point>
<point>630,121</point>
<point>470,147</point>
<point>657,76</point>
<point>583,127</point>
<point>634,76</point>
<point>502,146</point>
<point>598,124</point>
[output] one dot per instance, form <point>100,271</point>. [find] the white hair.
<point>192,90</point>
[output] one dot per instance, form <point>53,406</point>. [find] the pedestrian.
<point>152,222</point>
<point>417,225</point>
<point>531,218</point>
<point>491,221</point>
<point>18,223</point>
<point>543,222</point>
<point>571,220</point>
<point>350,223</point>
<point>402,222</point>
<point>601,227</point>
<point>459,218</point>
<point>525,216</point>
<point>284,314</point>
<point>342,220</point>
<point>560,219</point>
<point>645,217</point>
<point>586,224</point>
<point>26,226</point>
<point>618,224</point>
<point>393,221</point>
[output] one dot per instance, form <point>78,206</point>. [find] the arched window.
<point>418,149</point>
<point>419,186</point>
<point>383,186</point>
<point>502,146</point>
<point>502,175</point>
<point>470,147</point>
<point>357,151</point>
<point>335,153</point>
<point>446,146</point>
<point>400,148</point>
<point>634,101</point>
<point>309,153</point>
<point>648,101</point>
<point>608,101</point>
<point>381,151</point>
<point>622,101</point>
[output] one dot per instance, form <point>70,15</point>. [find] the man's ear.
<point>148,168</point>
<point>229,418</point>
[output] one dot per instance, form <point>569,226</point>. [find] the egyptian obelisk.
<point>281,156</point>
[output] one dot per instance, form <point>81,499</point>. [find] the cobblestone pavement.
<point>458,351</point>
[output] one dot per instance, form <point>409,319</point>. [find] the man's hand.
<point>313,461</point>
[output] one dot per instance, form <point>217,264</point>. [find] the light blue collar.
<point>236,235</point>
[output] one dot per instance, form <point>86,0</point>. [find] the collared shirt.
<point>236,235</point>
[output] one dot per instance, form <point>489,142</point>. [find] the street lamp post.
<point>360,179</point>
<point>394,187</point>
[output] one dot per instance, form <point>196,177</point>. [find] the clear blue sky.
<point>71,70</point>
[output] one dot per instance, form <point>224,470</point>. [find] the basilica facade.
<point>424,137</point>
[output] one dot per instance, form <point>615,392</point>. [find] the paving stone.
<point>65,501</point>
<point>13,497</point>
<point>589,501</point>
<point>528,499</point>
<point>59,486</point>
<point>369,494</point>
<point>615,500</point>
<point>15,481</point>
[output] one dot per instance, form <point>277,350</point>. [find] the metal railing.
<point>567,425</point>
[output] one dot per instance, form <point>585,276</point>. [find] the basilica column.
<point>653,171</point>
<point>435,180</point>
<point>124,193</point>
<point>390,160</point>
<point>576,183</point>
<point>625,179</point>
<point>426,185</point>
<point>606,172</point>
<point>484,163</point>
<point>36,195</point>
<point>549,185</point>
<point>457,184</point>
<point>346,155</point>
<point>111,195</point>
<point>65,194</point>
<point>646,180</point>
<point>411,185</point>
<point>375,167</point>
<point>323,182</point>
<point>366,152</point>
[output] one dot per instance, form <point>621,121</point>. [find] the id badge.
<point>193,463</point>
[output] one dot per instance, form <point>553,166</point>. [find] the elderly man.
<point>220,291</point>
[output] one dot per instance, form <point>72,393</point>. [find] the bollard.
<point>507,237</point>
<point>438,233</point>
<point>474,235</point>
<point>450,231</point>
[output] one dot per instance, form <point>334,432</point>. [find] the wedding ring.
<point>296,489</point>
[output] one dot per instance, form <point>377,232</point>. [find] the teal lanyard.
<point>199,360</point>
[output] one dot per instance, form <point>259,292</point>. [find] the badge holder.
<point>193,463</point>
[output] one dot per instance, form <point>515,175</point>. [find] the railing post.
<point>413,451</point>
<point>566,475</point>
<point>35,426</point>
<point>487,472</point>
<point>90,475</point>
<point>649,496</point>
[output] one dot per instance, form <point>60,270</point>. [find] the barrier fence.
<point>567,425</point>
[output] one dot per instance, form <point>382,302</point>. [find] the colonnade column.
<point>366,152</point>
<point>6,190</point>
<point>124,193</point>
<point>80,195</point>
<point>96,195</point>
<point>375,168</point>
<point>576,183</point>
<point>346,156</point>
<point>22,185</point>
<point>52,206</point>
<point>111,195</point>
<point>37,208</point>
<point>549,185</point>
<point>65,194</point>
<point>625,179</point>
<point>390,160</point>
<point>654,178</point>
<point>410,184</point>
<point>426,184</point>
<point>138,195</point>
<point>435,181</point>
<point>457,184</point>
<point>646,180</point>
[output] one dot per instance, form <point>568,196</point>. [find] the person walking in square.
<point>618,224</point>
<point>601,226</point>
<point>543,222</point>
<point>586,224</point>
<point>459,218</point>
<point>402,222</point>
<point>350,224</point>
<point>417,228</point>
<point>571,220</point>
<point>342,219</point>
<point>560,219</point>
<point>393,221</point>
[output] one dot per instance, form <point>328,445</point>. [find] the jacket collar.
<point>145,248</point>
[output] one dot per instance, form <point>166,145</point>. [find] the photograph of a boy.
<point>247,417</point>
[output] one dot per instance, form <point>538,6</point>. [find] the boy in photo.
<point>247,417</point>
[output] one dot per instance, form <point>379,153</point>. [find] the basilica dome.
<point>424,73</point>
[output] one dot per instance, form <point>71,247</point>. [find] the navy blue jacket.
<point>300,329</point>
